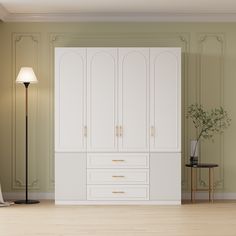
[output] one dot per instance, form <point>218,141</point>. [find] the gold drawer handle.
<point>117,131</point>
<point>118,176</point>
<point>152,131</point>
<point>117,192</point>
<point>121,131</point>
<point>118,160</point>
<point>85,131</point>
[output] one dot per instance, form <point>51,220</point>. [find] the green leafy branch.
<point>208,123</point>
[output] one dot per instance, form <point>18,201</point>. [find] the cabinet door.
<point>165,177</point>
<point>70,176</point>
<point>134,99</point>
<point>165,127</point>
<point>102,99</point>
<point>70,77</point>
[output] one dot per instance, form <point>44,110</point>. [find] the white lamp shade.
<point>26,75</point>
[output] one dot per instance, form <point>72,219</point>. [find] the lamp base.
<point>27,202</point>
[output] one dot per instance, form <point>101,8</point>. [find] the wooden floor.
<point>199,219</point>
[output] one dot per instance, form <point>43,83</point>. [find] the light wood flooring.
<point>46,219</point>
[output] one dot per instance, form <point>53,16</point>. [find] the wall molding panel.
<point>210,91</point>
<point>25,52</point>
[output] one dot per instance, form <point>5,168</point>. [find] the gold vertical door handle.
<point>85,131</point>
<point>121,131</point>
<point>152,131</point>
<point>117,131</point>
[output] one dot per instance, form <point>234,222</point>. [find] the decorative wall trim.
<point>25,49</point>
<point>116,17</point>
<point>3,13</point>
<point>211,67</point>
<point>51,180</point>
<point>184,103</point>
<point>155,39</point>
<point>205,196</point>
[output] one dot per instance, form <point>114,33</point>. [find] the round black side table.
<point>194,189</point>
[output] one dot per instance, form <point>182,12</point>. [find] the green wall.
<point>208,77</point>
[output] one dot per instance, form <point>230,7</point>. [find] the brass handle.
<point>118,176</point>
<point>117,192</point>
<point>117,131</point>
<point>118,160</point>
<point>152,131</point>
<point>121,131</point>
<point>85,131</point>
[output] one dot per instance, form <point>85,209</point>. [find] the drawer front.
<point>121,160</point>
<point>117,192</point>
<point>106,176</point>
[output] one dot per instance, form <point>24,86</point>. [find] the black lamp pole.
<point>26,201</point>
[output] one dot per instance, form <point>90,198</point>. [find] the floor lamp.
<point>26,76</point>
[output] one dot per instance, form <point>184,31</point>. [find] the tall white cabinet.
<point>117,125</point>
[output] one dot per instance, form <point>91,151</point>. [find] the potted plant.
<point>207,123</point>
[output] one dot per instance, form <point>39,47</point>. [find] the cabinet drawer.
<point>118,192</point>
<point>101,176</point>
<point>121,160</point>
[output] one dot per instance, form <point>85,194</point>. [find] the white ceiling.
<point>121,10</point>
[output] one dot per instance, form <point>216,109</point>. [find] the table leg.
<point>209,189</point>
<point>191,184</point>
<point>195,183</point>
<point>212,184</point>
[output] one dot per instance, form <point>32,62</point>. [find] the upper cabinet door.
<point>165,74</point>
<point>134,99</point>
<point>102,99</point>
<point>70,117</point>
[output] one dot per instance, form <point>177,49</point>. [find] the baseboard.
<point>34,195</point>
<point>204,196</point>
<point>51,196</point>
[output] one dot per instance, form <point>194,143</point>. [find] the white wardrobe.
<point>117,125</point>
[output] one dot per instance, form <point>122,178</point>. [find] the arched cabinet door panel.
<point>102,99</point>
<point>134,99</point>
<point>165,89</point>
<point>70,81</point>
